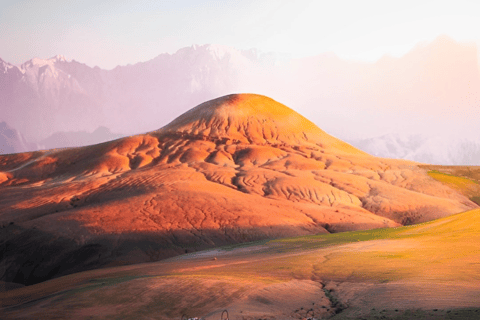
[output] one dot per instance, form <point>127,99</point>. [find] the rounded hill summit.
<point>251,118</point>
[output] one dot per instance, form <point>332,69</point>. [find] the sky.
<point>118,32</point>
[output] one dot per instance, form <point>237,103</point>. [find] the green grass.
<point>327,240</point>
<point>459,182</point>
<point>476,199</point>
<point>466,185</point>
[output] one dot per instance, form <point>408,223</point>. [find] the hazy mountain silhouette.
<point>438,149</point>
<point>78,138</point>
<point>42,97</point>
<point>432,89</point>
<point>12,141</point>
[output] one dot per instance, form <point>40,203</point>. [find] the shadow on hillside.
<point>30,256</point>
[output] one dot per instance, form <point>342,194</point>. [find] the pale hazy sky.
<point>112,32</point>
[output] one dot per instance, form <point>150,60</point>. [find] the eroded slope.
<point>235,169</point>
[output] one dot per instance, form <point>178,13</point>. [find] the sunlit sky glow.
<point>115,32</point>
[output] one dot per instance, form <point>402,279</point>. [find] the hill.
<point>235,169</point>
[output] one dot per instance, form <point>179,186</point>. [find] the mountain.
<point>440,149</point>
<point>391,145</point>
<point>42,97</point>
<point>78,138</point>
<point>12,141</point>
<point>432,89</point>
<point>238,168</point>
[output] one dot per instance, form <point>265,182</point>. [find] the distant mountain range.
<point>12,141</point>
<point>421,148</point>
<point>78,138</point>
<point>42,97</point>
<point>432,89</point>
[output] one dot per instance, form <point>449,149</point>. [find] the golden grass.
<point>443,250</point>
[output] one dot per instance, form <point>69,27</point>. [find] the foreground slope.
<point>235,169</point>
<point>426,271</point>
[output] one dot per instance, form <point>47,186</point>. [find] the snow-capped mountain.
<point>44,96</point>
